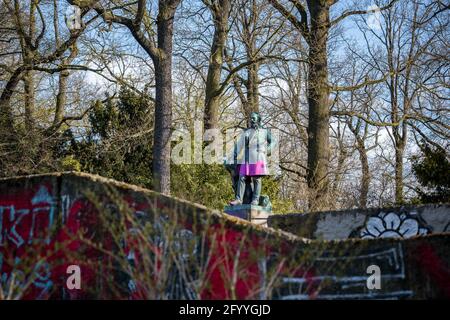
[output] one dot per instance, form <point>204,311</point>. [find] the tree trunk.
<point>28,81</point>
<point>28,78</point>
<point>399,151</point>
<point>252,89</point>
<point>362,151</point>
<point>61,97</point>
<point>163,104</point>
<point>365,175</point>
<point>6,115</point>
<point>339,171</point>
<point>317,94</point>
<point>398,175</point>
<point>220,12</point>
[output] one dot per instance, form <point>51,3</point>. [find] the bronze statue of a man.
<point>250,156</point>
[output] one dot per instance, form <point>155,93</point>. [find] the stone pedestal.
<point>255,214</point>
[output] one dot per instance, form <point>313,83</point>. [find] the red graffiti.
<point>438,271</point>
<point>36,222</point>
<point>232,272</point>
<point>36,245</point>
<point>42,233</point>
<point>26,226</point>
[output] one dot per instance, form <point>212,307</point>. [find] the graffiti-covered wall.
<point>132,243</point>
<point>399,222</point>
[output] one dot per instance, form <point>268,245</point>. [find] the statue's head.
<point>255,120</point>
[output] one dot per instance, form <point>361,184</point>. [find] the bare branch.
<point>359,12</point>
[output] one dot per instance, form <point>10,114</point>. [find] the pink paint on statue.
<point>253,169</point>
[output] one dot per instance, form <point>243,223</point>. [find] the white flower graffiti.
<point>392,225</point>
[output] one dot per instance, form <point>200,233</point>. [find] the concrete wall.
<point>50,222</point>
<point>398,222</point>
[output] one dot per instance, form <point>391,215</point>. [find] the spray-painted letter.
<point>74,280</point>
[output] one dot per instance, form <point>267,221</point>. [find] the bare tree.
<point>314,25</point>
<point>401,53</point>
<point>31,58</point>
<point>158,45</point>
<point>35,55</point>
<point>220,10</point>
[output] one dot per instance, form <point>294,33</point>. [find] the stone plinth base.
<point>255,214</point>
